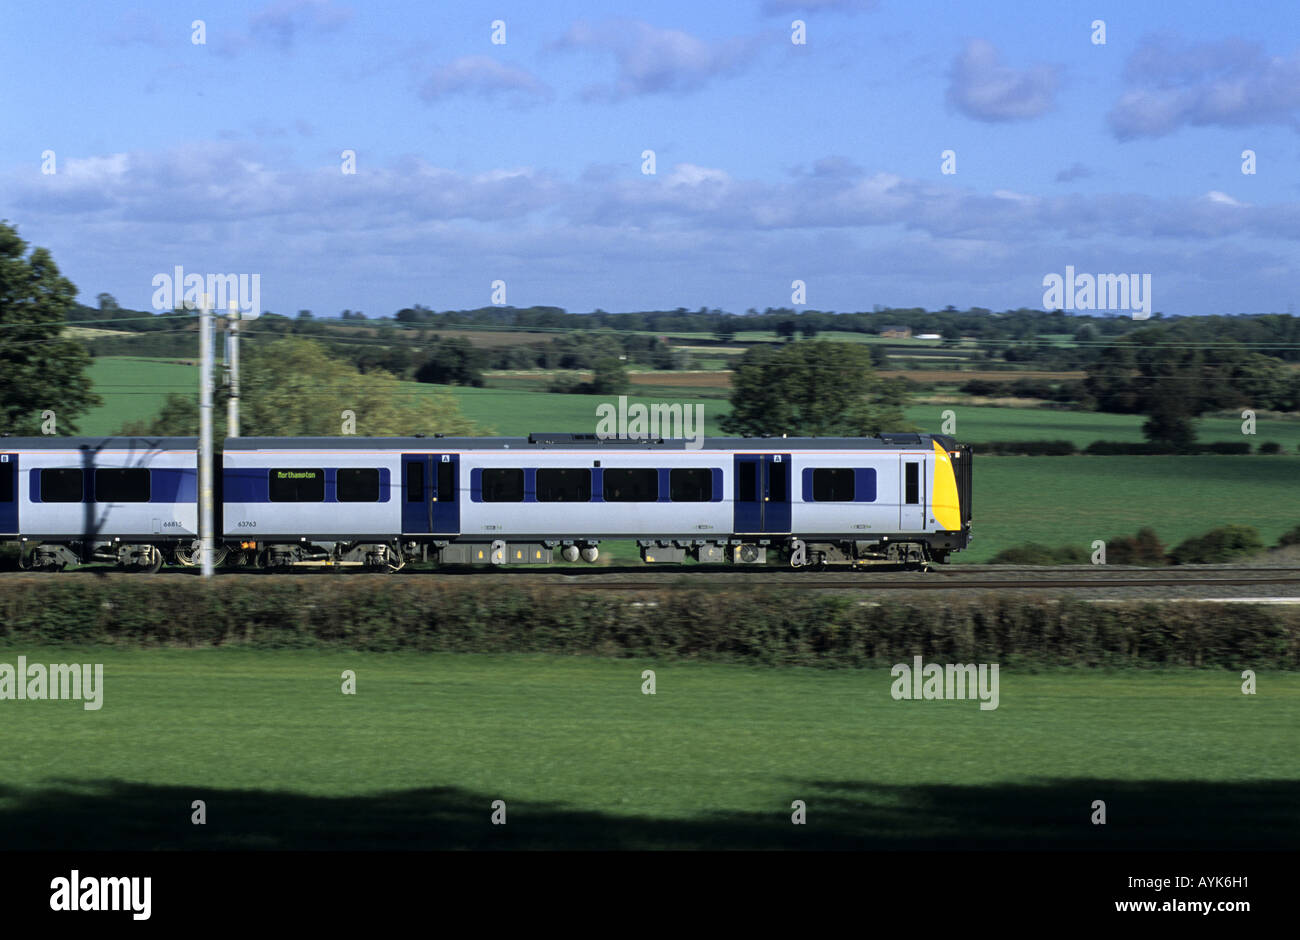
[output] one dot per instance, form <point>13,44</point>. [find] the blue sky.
<point>522,161</point>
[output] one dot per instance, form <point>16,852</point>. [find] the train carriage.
<point>383,501</point>
<point>129,500</point>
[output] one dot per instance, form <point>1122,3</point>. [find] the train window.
<point>297,485</point>
<point>6,483</point>
<point>776,482</point>
<point>631,485</point>
<point>61,485</point>
<point>122,485</point>
<point>446,481</point>
<point>503,486</point>
<point>747,485</point>
<point>912,482</point>
<point>563,485</point>
<point>357,485</point>
<point>690,484</point>
<point>832,485</point>
<point>415,481</point>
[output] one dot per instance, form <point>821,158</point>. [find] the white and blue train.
<point>383,502</point>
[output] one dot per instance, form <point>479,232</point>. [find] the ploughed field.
<point>582,758</point>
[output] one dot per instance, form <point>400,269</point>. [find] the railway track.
<point>1284,580</point>
<point>954,584</point>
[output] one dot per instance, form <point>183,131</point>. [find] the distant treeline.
<point>1016,331</point>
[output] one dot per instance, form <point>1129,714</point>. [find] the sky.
<point>508,141</point>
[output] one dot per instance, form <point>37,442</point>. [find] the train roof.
<point>51,442</point>
<point>544,441</point>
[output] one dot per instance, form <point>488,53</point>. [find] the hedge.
<point>771,626</point>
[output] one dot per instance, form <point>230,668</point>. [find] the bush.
<point>1225,447</point>
<point>1028,448</point>
<point>1270,447</point>
<point>1217,546</point>
<point>765,625</point>
<point>567,385</point>
<point>1031,553</point>
<point>1143,549</point>
<point>1290,537</point>
<point>1124,448</point>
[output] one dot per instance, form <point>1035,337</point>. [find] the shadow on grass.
<point>1047,815</point>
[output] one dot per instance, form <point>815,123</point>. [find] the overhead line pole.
<point>232,364</point>
<point>205,435</point>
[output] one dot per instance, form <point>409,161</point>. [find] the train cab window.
<point>747,483</point>
<point>297,485</point>
<point>631,485</point>
<point>503,486</point>
<point>912,484</point>
<point>832,485</point>
<point>61,485</point>
<point>415,482</point>
<point>6,483</point>
<point>122,485</point>
<point>357,485</point>
<point>690,484</point>
<point>446,481</point>
<point>563,485</point>
<point>776,482</point>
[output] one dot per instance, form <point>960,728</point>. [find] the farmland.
<point>1051,500</point>
<point>583,759</point>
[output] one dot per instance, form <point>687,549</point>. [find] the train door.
<point>417,493</point>
<point>761,493</point>
<point>911,493</point>
<point>446,493</point>
<point>8,494</point>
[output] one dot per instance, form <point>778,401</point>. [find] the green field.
<point>1074,500</point>
<point>134,390</point>
<point>583,759</point>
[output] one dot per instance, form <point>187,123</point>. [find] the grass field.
<point>1074,500</point>
<point>134,390</point>
<point>583,759</point>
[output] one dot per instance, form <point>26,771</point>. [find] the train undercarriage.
<point>393,555</point>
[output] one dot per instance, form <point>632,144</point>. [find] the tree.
<point>40,369</point>
<point>292,387</point>
<point>609,378</point>
<point>453,362</point>
<point>816,388</point>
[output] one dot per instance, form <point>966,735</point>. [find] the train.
<point>382,503</point>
